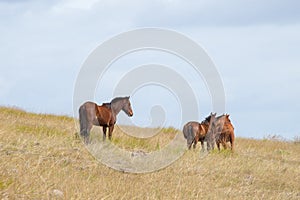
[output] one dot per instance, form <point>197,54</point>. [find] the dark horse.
<point>195,131</point>
<point>105,115</point>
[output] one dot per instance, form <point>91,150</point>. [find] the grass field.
<point>42,158</point>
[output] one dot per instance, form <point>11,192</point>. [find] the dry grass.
<point>41,159</point>
<point>135,138</point>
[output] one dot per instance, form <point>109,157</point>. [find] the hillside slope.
<point>42,158</point>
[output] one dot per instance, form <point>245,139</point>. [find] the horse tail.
<point>185,131</point>
<point>83,120</point>
<point>188,131</point>
<point>232,139</point>
<point>189,134</point>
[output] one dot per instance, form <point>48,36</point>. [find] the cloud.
<point>216,13</point>
<point>255,45</point>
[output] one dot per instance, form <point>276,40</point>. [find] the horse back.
<point>193,129</point>
<point>105,115</point>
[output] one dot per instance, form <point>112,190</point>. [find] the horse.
<point>223,131</point>
<point>195,131</point>
<point>208,124</point>
<point>105,115</point>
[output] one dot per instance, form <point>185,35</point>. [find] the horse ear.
<point>128,97</point>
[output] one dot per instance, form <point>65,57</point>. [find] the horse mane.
<point>226,116</point>
<point>108,105</point>
<point>118,99</point>
<point>219,117</point>
<point>207,120</point>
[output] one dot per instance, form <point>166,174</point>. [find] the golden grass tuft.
<point>42,159</point>
<point>159,137</point>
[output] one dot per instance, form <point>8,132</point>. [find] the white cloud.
<point>255,45</point>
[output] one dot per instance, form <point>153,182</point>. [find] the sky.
<point>254,45</point>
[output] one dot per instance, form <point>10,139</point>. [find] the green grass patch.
<point>5,184</point>
<point>171,130</point>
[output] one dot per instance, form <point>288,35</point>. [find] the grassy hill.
<point>41,157</point>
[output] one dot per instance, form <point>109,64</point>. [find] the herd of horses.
<point>212,130</point>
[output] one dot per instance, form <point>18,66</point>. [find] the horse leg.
<point>83,132</point>
<point>213,145</point>
<point>202,145</point>
<point>196,139</point>
<point>210,145</point>
<point>195,143</point>
<point>232,141</point>
<point>224,143</point>
<point>110,130</point>
<point>84,124</point>
<point>86,135</point>
<point>86,139</point>
<point>104,133</point>
<point>218,145</point>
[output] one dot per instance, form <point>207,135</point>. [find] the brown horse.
<point>105,115</point>
<point>195,131</point>
<point>223,131</point>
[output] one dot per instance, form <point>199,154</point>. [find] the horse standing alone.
<point>105,115</point>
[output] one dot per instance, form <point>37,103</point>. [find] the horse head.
<point>127,107</point>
